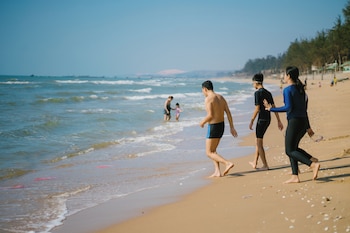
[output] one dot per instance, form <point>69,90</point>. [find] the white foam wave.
<point>160,147</point>
<point>71,81</point>
<point>117,82</point>
<point>16,82</point>
<point>163,96</point>
<point>154,82</point>
<point>151,82</point>
<point>98,82</point>
<point>194,94</point>
<point>97,110</point>
<point>93,96</point>
<point>144,90</point>
<point>143,97</point>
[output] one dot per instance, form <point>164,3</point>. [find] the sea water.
<point>71,143</point>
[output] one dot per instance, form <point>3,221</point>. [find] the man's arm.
<point>255,113</point>
<point>230,120</point>
<point>165,104</point>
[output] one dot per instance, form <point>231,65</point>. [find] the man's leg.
<point>260,145</point>
<point>256,156</point>
<point>211,145</point>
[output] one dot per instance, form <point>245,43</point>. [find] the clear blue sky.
<point>108,38</point>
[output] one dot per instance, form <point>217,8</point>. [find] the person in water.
<point>295,105</point>
<point>216,107</point>
<point>167,108</point>
<point>177,111</point>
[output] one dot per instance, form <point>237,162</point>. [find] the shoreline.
<point>256,201</point>
<point>190,176</point>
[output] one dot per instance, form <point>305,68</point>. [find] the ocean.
<point>68,144</point>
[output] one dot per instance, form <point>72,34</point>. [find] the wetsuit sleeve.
<point>307,115</point>
<point>287,99</point>
<point>270,97</point>
<point>307,122</point>
<point>256,98</point>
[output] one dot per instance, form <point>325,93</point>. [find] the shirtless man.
<point>216,106</point>
<point>167,108</point>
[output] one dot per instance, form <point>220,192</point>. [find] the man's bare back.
<point>215,103</point>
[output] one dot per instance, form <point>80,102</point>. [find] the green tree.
<point>326,47</point>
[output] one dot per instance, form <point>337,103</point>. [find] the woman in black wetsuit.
<point>298,122</point>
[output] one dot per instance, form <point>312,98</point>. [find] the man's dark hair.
<point>259,78</point>
<point>208,84</point>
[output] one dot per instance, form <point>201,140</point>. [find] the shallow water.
<point>72,143</point>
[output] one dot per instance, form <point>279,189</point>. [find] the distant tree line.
<point>328,46</point>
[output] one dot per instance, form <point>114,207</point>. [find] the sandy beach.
<point>247,200</point>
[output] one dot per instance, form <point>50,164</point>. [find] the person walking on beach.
<point>295,106</point>
<point>216,107</point>
<point>264,119</point>
<point>177,110</point>
<point>167,108</point>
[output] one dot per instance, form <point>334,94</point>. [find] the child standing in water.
<point>178,110</point>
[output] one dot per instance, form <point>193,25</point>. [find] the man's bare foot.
<point>228,167</point>
<point>315,167</point>
<point>215,174</point>
<point>252,164</point>
<point>294,179</point>
<point>263,168</point>
<point>313,159</point>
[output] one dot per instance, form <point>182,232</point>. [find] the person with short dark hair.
<point>216,107</point>
<point>264,119</point>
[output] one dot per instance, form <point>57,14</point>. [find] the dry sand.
<point>257,201</point>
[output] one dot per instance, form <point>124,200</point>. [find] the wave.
<point>51,214</point>
<point>151,82</point>
<point>93,147</point>
<point>52,100</point>
<point>9,173</point>
<point>58,100</point>
<point>97,82</point>
<point>97,110</point>
<point>16,82</point>
<point>143,97</point>
<point>71,81</point>
<point>154,141</point>
<point>162,96</point>
<point>57,206</point>
<point>118,82</point>
<point>144,90</point>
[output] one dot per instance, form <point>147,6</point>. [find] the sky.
<point>123,37</point>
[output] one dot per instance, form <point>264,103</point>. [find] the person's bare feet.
<point>293,179</point>
<point>252,164</point>
<point>315,167</point>
<point>228,167</point>
<point>215,175</point>
<point>313,159</point>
